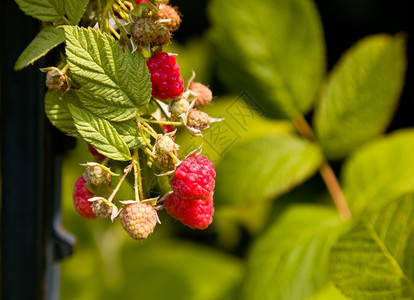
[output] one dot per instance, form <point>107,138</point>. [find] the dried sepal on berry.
<point>178,108</point>
<point>165,150</point>
<point>55,79</point>
<point>97,174</point>
<point>103,208</point>
<point>197,121</point>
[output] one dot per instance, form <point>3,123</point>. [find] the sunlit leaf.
<point>44,10</point>
<point>99,133</point>
<point>47,39</point>
<point>361,95</point>
<point>262,168</point>
<point>290,260</point>
<point>374,260</point>
<point>115,83</point>
<point>379,172</point>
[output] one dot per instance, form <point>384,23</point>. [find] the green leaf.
<point>361,95</point>
<point>263,168</point>
<point>47,39</point>
<point>129,132</point>
<point>57,111</point>
<point>44,10</point>
<point>260,49</point>
<point>99,133</point>
<point>379,172</point>
<point>114,83</point>
<point>374,259</point>
<point>290,260</point>
<point>74,9</point>
<point>329,292</point>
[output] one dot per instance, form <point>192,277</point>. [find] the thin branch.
<point>327,174</point>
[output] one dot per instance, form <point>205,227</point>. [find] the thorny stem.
<point>126,172</point>
<point>148,129</point>
<point>327,174</point>
<point>335,190</point>
<point>139,196</point>
<point>164,122</point>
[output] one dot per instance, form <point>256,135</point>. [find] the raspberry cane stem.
<point>137,176</point>
<point>327,174</point>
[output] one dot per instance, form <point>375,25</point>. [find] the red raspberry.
<point>196,214</point>
<point>194,178</point>
<point>141,1</point>
<point>80,198</point>
<point>167,128</point>
<point>95,153</point>
<point>165,76</point>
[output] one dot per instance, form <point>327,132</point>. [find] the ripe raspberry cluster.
<point>191,201</point>
<point>146,27</point>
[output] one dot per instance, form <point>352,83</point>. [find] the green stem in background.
<point>139,196</point>
<point>335,190</point>
<point>327,174</point>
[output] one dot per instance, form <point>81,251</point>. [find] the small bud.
<point>144,31</point>
<point>56,80</point>
<point>165,144</point>
<point>178,107</point>
<point>96,175</point>
<point>102,209</point>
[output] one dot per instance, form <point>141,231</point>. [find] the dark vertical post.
<point>31,239</point>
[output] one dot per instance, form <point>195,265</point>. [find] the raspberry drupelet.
<point>165,76</point>
<point>194,178</point>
